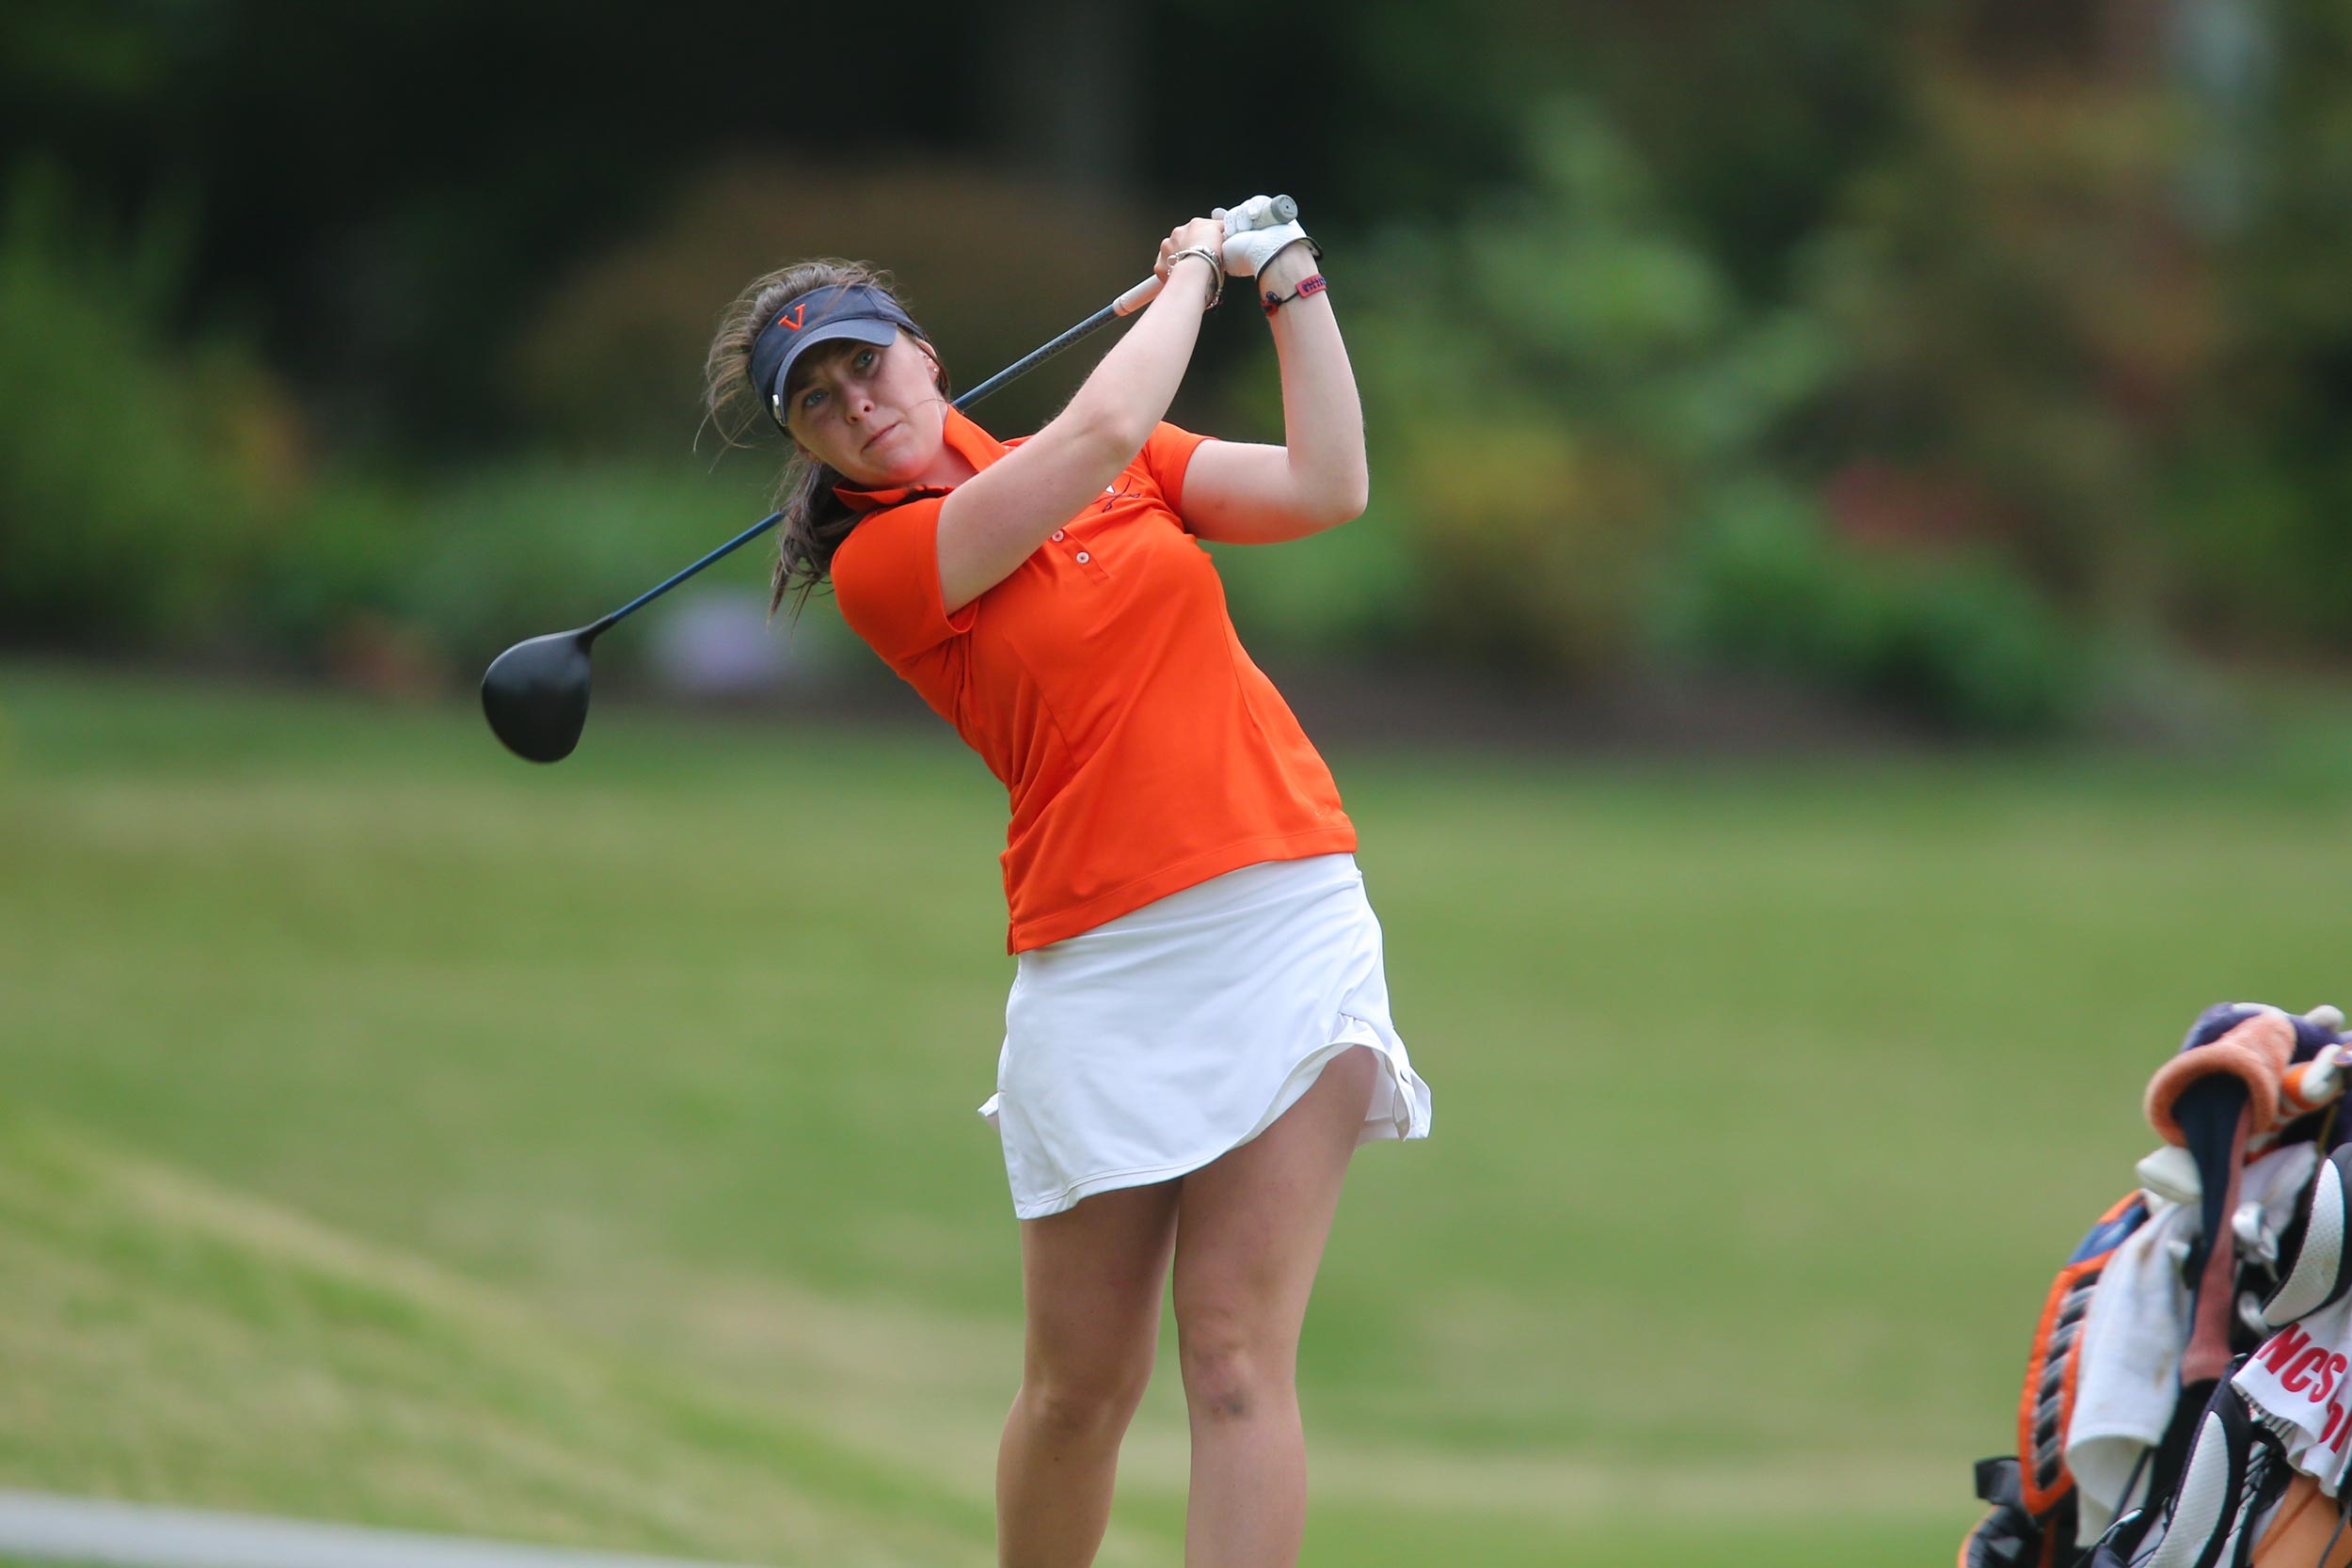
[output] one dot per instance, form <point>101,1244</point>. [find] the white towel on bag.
<point>2128,1371</point>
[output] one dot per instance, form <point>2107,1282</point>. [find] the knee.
<point>1083,1406</point>
<point>1229,1374</point>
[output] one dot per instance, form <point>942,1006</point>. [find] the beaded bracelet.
<point>1309,285</point>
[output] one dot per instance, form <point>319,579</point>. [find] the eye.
<point>809,399</point>
<point>865,358</point>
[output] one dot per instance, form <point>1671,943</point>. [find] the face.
<point>873,414</point>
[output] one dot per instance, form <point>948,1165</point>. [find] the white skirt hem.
<point>1398,1110</point>
<point>1404,1114</point>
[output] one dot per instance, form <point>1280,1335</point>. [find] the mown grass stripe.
<point>133,1535</point>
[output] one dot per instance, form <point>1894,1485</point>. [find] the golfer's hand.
<point>1247,253</point>
<point>1206,233</point>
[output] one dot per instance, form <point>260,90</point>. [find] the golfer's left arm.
<point>1242,493</point>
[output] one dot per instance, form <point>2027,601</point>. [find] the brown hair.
<point>815,519</point>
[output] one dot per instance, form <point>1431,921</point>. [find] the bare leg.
<point>1091,1277</point>
<point>1249,1234</point>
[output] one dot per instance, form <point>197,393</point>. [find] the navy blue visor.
<point>838,310</point>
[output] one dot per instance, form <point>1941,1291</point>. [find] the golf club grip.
<point>1281,209</point>
<point>1259,211</point>
<point>1140,296</point>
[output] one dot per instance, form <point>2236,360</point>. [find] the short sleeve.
<point>1166,455</point>
<point>886,579</point>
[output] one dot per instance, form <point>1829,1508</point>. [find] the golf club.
<point>535,693</point>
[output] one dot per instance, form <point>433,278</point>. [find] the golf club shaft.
<point>1126,303</point>
<point>1275,209</point>
<point>656,592</point>
<point>1039,356</point>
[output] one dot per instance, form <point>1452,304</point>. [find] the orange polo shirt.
<point>1104,687</point>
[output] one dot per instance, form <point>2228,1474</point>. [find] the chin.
<point>903,467</point>
<point>894,477</point>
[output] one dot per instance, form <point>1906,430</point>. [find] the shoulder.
<point>1167,454</point>
<point>886,580</point>
<point>886,549</point>
<point>881,532</point>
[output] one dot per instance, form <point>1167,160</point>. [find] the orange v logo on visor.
<point>793,320</point>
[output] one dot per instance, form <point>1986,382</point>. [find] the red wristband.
<point>1312,285</point>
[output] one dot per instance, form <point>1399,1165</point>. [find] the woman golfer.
<point>1197,1034</point>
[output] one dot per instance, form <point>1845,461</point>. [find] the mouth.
<point>878,436</point>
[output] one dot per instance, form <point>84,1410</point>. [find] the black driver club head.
<point>535,694</point>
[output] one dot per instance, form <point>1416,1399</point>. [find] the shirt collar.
<point>973,444</point>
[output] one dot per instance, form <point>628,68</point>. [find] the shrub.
<point>436,576</point>
<point>1957,639</point>
<point>141,476</point>
<point>1550,385</point>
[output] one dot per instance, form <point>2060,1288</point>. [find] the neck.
<point>949,470</point>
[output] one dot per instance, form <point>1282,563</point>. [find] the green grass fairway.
<point>391,1130</point>
<point>169,1338</point>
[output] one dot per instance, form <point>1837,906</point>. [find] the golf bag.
<point>2187,1399</point>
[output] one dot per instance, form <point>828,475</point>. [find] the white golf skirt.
<point>1152,1044</point>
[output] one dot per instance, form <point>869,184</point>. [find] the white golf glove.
<point>1259,211</point>
<point>1254,232</point>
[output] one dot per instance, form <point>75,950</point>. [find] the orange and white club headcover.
<point>2256,1049</point>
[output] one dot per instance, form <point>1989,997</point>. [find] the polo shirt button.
<point>1058,534</point>
<point>1084,558</point>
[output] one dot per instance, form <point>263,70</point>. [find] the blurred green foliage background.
<point>1972,362</point>
<point>390,1132</point>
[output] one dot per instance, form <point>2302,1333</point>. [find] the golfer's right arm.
<point>993,521</point>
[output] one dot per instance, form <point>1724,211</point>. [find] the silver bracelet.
<point>1216,269</point>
